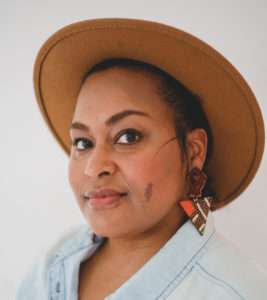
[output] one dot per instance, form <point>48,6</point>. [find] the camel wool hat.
<point>230,106</point>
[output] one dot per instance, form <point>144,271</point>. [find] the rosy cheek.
<point>75,176</point>
<point>148,166</point>
<point>168,158</point>
<point>139,167</point>
<point>144,177</point>
<point>158,172</point>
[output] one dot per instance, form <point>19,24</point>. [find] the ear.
<point>196,144</point>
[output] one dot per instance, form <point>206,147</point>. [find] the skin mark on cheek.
<point>148,192</point>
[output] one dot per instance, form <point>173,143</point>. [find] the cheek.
<point>156,171</point>
<point>167,170</point>
<point>75,175</point>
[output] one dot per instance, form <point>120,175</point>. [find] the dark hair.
<point>186,108</point>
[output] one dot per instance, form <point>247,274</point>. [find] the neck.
<point>141,247</point>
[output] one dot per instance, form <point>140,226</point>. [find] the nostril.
<point>97,167</point>
<point>104,173</point>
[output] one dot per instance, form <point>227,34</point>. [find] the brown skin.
<point>150,170</point>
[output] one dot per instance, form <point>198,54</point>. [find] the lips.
<point>103,198</point>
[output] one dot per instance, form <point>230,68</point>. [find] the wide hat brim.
<point>232,110</point>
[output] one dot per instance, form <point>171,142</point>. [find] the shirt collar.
<point>169,265</point>
<point>164,270</point>
<point>80,243</point>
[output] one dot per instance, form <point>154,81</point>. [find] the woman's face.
<point>125,167</point>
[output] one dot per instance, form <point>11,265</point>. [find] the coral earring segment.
<point>188,207</point>
<point>197,211</point>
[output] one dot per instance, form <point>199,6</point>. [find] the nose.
<point>100,163</point>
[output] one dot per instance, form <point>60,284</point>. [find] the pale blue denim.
<point>188,267</point>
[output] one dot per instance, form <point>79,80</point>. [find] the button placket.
<point>56,281</point>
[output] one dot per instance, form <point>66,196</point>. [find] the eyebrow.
<point>113,119</point>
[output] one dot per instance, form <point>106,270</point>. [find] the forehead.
<point>116,89</point>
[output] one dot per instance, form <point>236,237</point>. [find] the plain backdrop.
<point>37,204</point>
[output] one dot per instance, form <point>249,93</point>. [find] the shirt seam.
<point>207,275</point>
<point>186,268</point>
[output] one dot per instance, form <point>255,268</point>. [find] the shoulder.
<point>226,266</point>
<point>34,284</point>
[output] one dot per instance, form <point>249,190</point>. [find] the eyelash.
<point>75,141</point>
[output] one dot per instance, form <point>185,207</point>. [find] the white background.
<point>37,204</point>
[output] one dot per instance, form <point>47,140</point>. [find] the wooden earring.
<point>197,207</point>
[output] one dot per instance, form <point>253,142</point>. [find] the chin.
<point>106,226</point>
<point>109,231</point>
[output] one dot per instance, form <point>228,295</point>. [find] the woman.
<point>147,162</point>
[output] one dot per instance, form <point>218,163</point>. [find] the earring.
<point>197,208</point>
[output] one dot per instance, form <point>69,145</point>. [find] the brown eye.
<point>129,137</point>
<point>82,144</point>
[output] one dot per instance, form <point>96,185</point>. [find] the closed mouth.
<point>103,198</point>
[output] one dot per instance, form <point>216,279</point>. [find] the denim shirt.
<point>189,266</point>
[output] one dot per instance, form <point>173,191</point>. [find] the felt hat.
<point>232,110</point>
